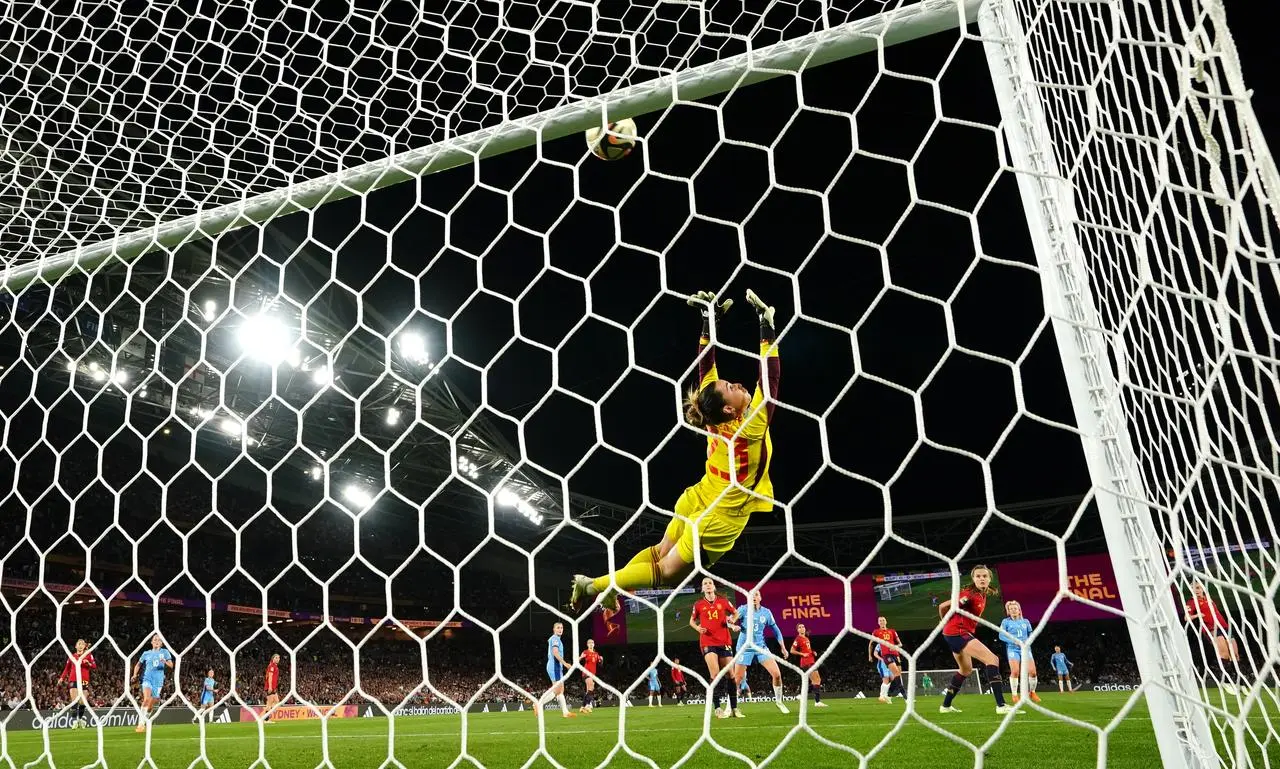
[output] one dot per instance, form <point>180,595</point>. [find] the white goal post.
<point>1152,206</point>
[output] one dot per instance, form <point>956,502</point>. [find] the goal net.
<point>892,590</point>
<point>323,335</point>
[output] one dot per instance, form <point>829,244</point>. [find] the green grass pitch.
<point>664,735</point>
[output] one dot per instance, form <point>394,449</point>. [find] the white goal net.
<point>323,335</point>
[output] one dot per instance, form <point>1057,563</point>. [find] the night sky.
<point>557,285</point>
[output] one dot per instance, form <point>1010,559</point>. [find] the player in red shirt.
<point>271,685</point>
<point>883,648</point>
<point>590,659</point>
<point>808,659</point>
<point>678,687</point>
<point>1203,608</point>
<point>75,673</point>
<point>965,647</point>
<point>713,617</point>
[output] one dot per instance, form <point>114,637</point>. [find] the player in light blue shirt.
<point>1015,630</point>
<point>655,688</point>
<point>151,665</point>
<point>557,670</point>
<point>756,619</point>
<point>207,690</point>
<point>1062,666</point>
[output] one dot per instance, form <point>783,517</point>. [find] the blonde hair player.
<point>1015,631</point>
<point>1203,611</point>
<point>965,646</point>
<point>754,649</point>
<point>557,671</point>
<point>735,481</point>
<point>151,666</point>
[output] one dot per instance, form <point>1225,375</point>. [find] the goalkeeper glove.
<point>706,300</point>
<point>763,310</point>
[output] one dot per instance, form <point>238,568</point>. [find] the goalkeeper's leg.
<point>671,560</point>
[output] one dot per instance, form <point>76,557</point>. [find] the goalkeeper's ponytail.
<point>704,407</point>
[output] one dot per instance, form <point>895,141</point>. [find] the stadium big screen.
<point>910,600</point>
<point>823,604</point>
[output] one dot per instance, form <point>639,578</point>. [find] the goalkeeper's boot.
<point>1034,697</point>
<point>1013,698</point>
<point>782,708</point>
<point>738,713</point>
<point>949,709</point>
<point>581,591</point>
<point>1002,709</point>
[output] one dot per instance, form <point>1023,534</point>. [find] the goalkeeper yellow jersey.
<point>739,451</point>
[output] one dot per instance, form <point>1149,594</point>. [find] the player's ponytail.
<point>704,407</point>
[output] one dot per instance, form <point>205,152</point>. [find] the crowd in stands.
<point>326,666</point>
<point>323,667</point>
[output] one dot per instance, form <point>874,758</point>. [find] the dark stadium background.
<point>499,389</point>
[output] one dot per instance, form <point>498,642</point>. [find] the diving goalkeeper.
<point>736,480</point>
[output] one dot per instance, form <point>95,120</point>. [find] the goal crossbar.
<point>839,42</point>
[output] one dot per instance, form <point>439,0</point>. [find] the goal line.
<point>843,41</point>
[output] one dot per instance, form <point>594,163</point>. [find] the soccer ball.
<point>614,144</point>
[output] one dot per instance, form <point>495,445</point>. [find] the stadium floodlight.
<point>72,366</point>
<point>393,416</point>
<point>413,348</point>
<point>120,376</point>
<point>232,426</point>
<point>210,310</point>
<point>507,498</point>
<point>98,374</point>
<point>322,376</point>
<point>266,338</point>
<point>316,472</point>
<point>528,511</point>
<point>468,467</point>
<point>359,497</point>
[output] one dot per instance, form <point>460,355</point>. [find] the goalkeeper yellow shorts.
<point>717,530</point>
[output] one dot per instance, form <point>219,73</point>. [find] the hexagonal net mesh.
<point>327,336</point>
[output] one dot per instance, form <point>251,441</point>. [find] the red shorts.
<point>807,662</point>
<point>586,674</point>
